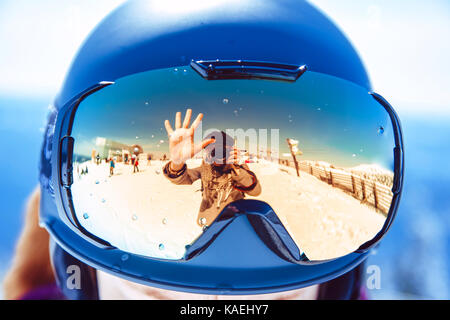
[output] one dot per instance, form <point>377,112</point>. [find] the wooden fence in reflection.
<point>366,190</point>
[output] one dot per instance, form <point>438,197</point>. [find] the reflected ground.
<point>145,213</point>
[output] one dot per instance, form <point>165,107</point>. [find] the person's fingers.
<point>197,121</point>
<point>201,145</point>
<point>178,120</point>
<point>168,127</point>
<point>187,118</point>
<point>207,142</point>
<point>191,133</point>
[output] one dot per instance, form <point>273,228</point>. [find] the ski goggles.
<point>317,170</point>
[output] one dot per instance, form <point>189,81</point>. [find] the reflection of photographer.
<point>223,179</point>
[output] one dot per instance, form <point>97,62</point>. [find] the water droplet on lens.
<point>318,109</point>
<point>236,113</point>
<point>125,257</point>
<point>175,70</point>
<point>203,221</point>
<point>164,221</point>
<point>185,72</point>
<point>161,246</point>
<point>354,155</point>
<point>157,171</point>
<point>225,101</point>
<point>103,200</point>
<point>97,182</point>
<point>146,103</point>
<point>85,216</point>
<point>380,130</point>
<point>134,217</point>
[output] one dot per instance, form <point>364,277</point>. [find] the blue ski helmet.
<point>215,42</point>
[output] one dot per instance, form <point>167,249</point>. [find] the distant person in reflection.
<point>111,167</point>
<point>149,159</point>
<point>136,165</point>
<point>223,179</point>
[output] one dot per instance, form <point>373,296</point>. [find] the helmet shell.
<point>143,35</point>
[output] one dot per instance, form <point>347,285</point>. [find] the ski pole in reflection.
<point>235,150</point>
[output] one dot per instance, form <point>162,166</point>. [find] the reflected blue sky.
<point>334,120</point>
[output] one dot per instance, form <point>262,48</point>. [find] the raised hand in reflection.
<point>181,140</point>
<point>223,179</point>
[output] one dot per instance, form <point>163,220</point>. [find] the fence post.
<point>353,184</point>
<point>375,195</point>
<point>363,187</point>
<point>331,178</point>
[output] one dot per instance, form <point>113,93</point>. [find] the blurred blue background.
<point>404,46</point>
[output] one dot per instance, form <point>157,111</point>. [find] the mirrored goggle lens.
<point>319,151</point>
